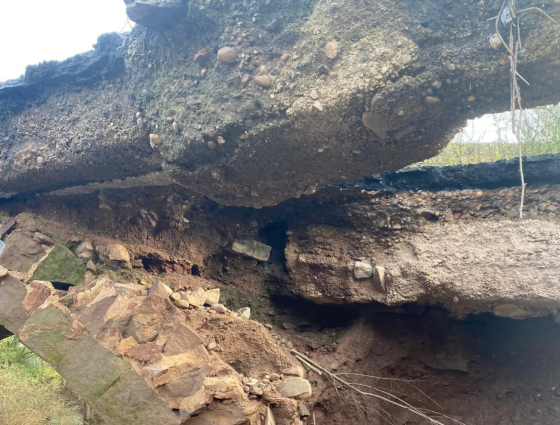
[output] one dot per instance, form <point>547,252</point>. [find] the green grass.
<point>31,392</point>
<point>471,153</point>
<point>540,134</point>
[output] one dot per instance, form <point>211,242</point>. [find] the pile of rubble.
<point>144,355</point>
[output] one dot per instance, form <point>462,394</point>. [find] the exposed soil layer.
<point>483,370</point>
<point>464,250</point>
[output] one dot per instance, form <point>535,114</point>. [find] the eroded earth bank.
<point>202,222</point>
<point>139,298</point>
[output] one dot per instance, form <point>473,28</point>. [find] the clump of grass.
<point>31,391</point>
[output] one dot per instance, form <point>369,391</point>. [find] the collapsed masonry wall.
<point>309,93</point>
<point>147,355</point>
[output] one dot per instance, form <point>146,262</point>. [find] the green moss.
<point>44,333</point>
<point>61,266</point>
<point>328,340</point>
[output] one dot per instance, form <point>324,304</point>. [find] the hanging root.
<point>373,395</point>
<point>514,47</point>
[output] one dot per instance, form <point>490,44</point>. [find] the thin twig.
<point>314,423</point>
<point>537,9</point>
<point>377,377</point>
<point>522,79</point>
<point>309,366</point>
<point>309,361</point>
<point>498,29</point>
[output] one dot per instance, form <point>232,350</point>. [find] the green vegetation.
<point>540,134</point>
<point>61,266</point>
<point>31,392</point>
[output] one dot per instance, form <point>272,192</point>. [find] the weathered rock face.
<point>385,89</point>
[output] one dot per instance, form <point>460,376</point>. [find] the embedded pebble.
<point>376,122</point>
<point>332,49</point>
<point>211,346</point>
<point>212,145</point>
<point>285,57</point>
<point>245,80</point>
<point>155,140</point>
<point>220,140</point>
<point>227,55</point>
<point>495,41</point>
<point>379,279</point>
<point>40,160</point>
<point>362,270</point>
<point>175,127</point>
<point>432,100</point>
<point>263,81</point>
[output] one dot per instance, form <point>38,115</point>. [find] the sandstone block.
<point>181,340</point>
<point>294,388</point>
<point>212,296</point>
<point>252,248</point>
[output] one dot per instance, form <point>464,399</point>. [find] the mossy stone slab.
<point>61,265</point>
<point>131,401</point>
<point>91,369</point>
<point>45,332</point>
